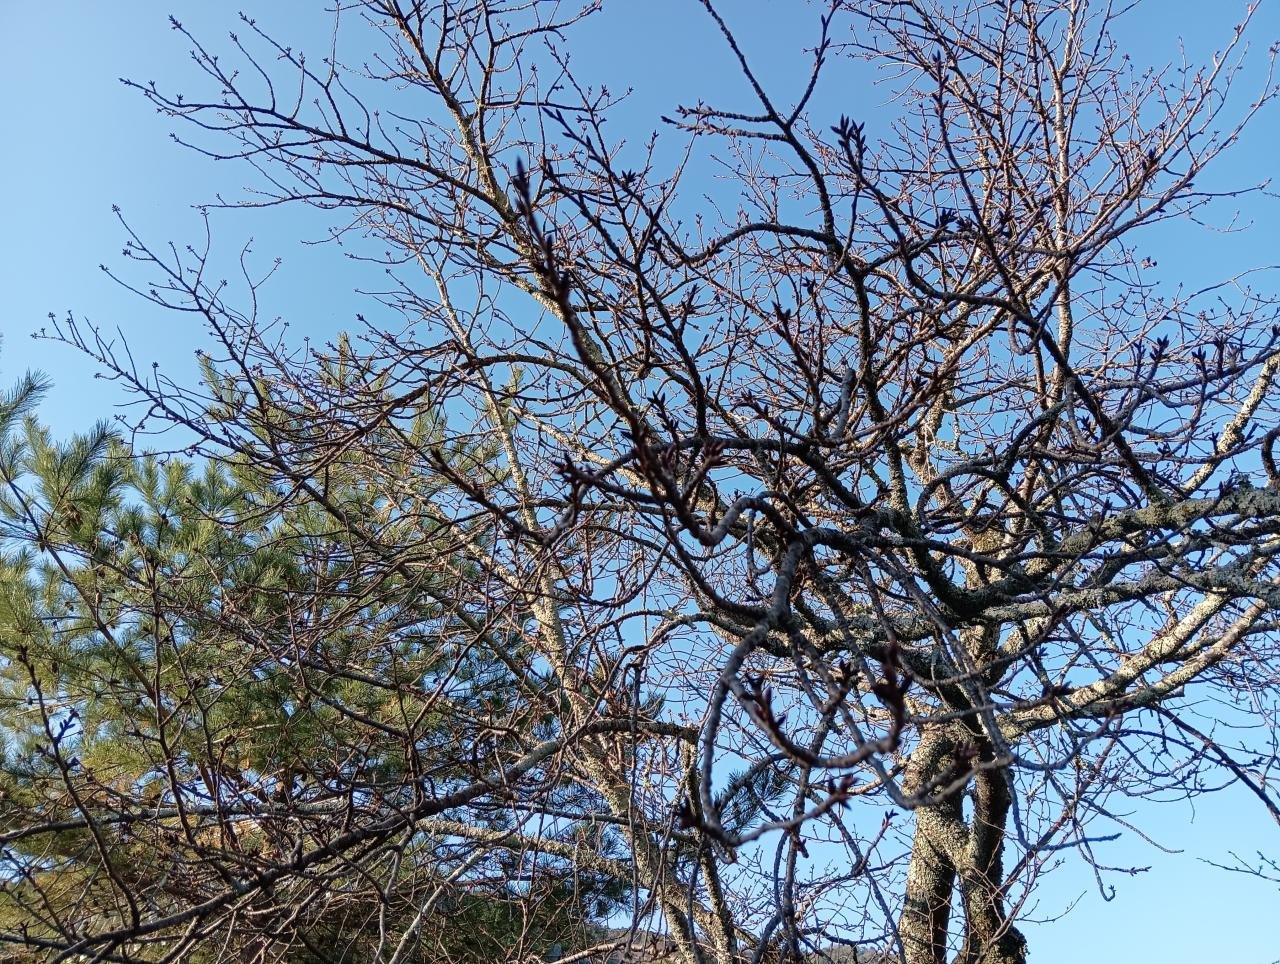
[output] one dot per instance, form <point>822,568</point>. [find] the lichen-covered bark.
<point>931,873</point>
<point>949,853</point>
<point>990,937</point>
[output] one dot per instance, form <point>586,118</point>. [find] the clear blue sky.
<point>77,142</point>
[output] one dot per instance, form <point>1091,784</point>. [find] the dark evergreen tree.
<point>204,683</point>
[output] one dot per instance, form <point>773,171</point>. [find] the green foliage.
<point>749,794</point>
<point>203,678</point>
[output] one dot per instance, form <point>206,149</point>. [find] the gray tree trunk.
<point>949,853</point>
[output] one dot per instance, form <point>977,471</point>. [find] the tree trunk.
<point>990,937</point>
<point>932,871</point>
<point>947,852</point>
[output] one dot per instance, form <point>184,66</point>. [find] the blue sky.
<point>78,142</point>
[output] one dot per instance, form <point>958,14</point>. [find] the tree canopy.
<point>783,566</point>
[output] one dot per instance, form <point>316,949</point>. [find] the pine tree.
<point>205,683</point>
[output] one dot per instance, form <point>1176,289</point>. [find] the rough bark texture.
<point>931,875</point>
<point>990,937</point>
<point>949,852</point>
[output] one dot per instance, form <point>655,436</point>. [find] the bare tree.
<point>892,478</point>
